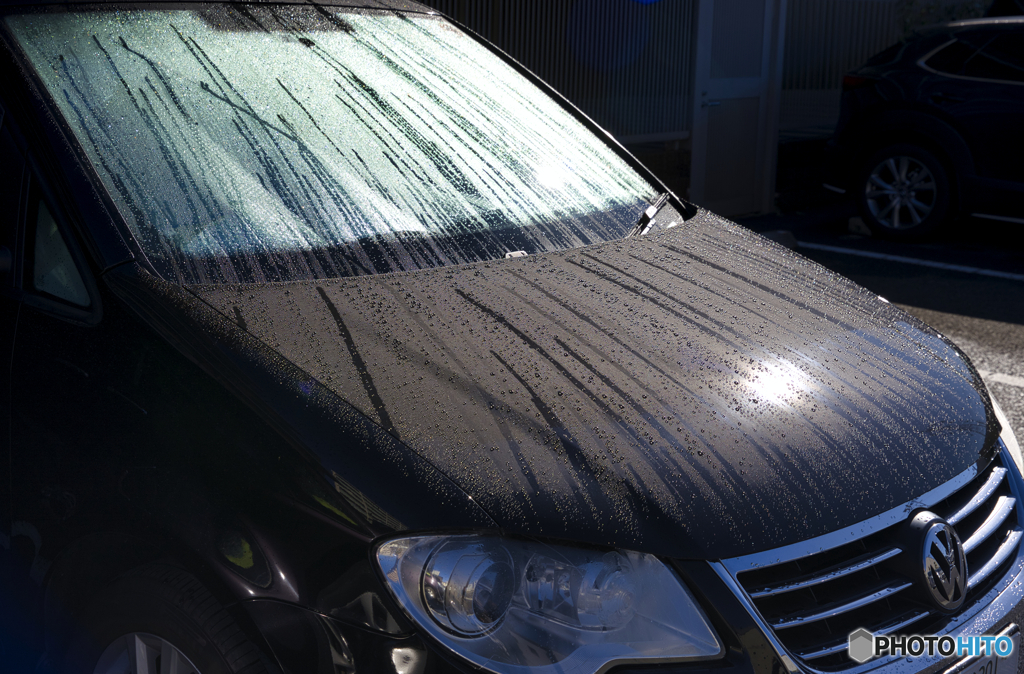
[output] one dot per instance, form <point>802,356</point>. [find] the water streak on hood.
<point>699,392</point>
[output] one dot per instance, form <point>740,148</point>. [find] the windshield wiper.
<point>643,225</point>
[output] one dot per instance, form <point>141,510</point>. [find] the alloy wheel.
<point>900,192</point>
<point>139,653</point>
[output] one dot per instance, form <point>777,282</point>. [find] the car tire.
<point>155,613</point>
<point>904,192</point>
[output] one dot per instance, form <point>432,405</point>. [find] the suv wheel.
<point>159,619</point>
<point>904,193</point>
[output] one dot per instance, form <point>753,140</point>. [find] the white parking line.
<point>911,260</point>
<point>1000,378</point>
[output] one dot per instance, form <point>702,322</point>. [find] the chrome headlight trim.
<point>569,609</point>
<point>1007,435</point>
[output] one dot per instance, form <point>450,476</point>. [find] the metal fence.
<point>626,64</point>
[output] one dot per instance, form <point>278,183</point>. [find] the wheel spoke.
<point>885,211</point>
<point>920,175</point>
<point>877,180</point>
<point>137,654</point>
<point>913,212</point>
<point>891,164</point>
<point>923,207</point>
<point>168,658</point>
<point>896,215</point>
<point>904,165</point>
<point>877,194</point>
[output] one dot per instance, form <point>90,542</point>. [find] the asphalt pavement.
<point>967,282</point>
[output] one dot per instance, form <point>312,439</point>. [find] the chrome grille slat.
<point>854,577</point>
<point>1006,548</point>
<point>837,571</point>
<point>901,622</point>
<point>839,647</point>
<point>1002,509</point>
<point>987,489</point>
<point>824,652</point>
<point>795,619</point>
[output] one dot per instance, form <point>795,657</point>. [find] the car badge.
<point>944,566</point>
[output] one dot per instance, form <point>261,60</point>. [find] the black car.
<point>333,341</point>
<point>932,127</point>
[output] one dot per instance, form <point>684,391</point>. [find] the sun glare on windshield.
<point>269,143</point>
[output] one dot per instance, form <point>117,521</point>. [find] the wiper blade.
<point>643,225</point>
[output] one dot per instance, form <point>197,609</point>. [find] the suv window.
<point>982,56</point>
<point>1002,58</point>
<point>951,58</point>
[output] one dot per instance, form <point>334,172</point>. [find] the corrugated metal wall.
<point>627,64</point>
<point>824,40</point>
<point>827,38</point>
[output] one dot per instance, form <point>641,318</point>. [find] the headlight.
<point>523,607</point>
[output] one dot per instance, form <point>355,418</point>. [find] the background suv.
<point>931,127</point>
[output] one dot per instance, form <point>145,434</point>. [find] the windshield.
<point>259,143</point>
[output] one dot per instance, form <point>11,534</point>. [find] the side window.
<point>53,270</point>
<point>10,202</point>
<point>39,265</point>
<point>982,55</point>
<point>1001,59</point>
<point>951,58</point>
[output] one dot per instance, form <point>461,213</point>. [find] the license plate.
<point>991,664</point>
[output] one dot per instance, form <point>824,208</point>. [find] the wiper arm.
<point>643,225</point>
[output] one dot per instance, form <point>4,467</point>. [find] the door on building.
<point>737,79</point>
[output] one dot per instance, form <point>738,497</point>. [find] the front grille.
<point>813,602</point>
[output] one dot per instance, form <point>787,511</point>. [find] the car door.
<point>43,274</point>
<point>52,294</point>
<point>12,555</point>
<point>72,361</point>
<point>982,88</point>
<point>992,120</point>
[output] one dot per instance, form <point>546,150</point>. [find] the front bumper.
<point>306,642</point>
<point>997,610</point>
<point>992,605</point>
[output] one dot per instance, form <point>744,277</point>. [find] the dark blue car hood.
<point>699,392</point>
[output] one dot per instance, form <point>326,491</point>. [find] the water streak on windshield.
<point>271,143</point>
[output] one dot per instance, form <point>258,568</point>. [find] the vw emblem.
<point>944,565</point>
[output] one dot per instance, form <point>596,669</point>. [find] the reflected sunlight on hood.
<point>700,392</point>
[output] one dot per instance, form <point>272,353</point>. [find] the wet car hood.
<point>698,392</point>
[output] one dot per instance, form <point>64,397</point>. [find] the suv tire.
<point>904,192</point>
